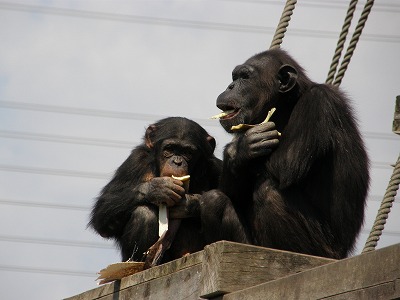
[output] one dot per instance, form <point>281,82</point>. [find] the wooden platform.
<point>228,271</point>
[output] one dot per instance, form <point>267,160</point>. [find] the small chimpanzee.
<point>303,190</point>
<point>127,208</point>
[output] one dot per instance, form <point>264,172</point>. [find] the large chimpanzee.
<point>303,191</point>
<point>127,208</point>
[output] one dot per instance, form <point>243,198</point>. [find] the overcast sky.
<point>81,80</point>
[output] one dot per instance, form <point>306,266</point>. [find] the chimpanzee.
<point>298,182</point>
<point>127,208</point>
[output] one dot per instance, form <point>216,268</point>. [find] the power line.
<point>375,198</point>
<point>381,136</point>
<point>109,114</point>
<point>54,172</point>
<point>23,135</point>
<point>183,23</point>
<point>79,111</point>
<point>25,269</point>
<point>44,205</point>
<point>86,208</point>
<point>53,242</point>
<point>69,243</point>
<point>382,165</point>
<point>382,7</point>
<point>92,112</point>
<point>97,175</point>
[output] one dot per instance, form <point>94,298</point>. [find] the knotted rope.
<point>283,24</point>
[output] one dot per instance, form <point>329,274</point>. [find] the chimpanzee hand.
<point>255,142</point>
<point>188,207</point>
<point>164,190</point>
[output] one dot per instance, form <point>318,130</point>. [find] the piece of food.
<point>185,180</point>
<point>242,127</point>
<point>162,219</point>
<point>119,270</point>
<point>223,114</point>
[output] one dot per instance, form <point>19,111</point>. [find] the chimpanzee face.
<point>176,157</point>
<point>255,87</point>
<point>180,146</point>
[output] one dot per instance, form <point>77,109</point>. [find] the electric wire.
<point>381,7</point>
<point>56,138</point>
<point>107,114</point>
<point>101,176</point>
<point>74,140</point>
<point>26,269</point>
<point>53,242</point>
<point>17,105</point>
<point>47,205</point>
<point>54,172</point>
<point>86,208</point>
<point>183,23</point>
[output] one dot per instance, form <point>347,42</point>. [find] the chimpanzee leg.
<point>140,233</point>
<point>220,220</point>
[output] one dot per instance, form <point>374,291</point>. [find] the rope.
<point>341,41</point>
<point>283,24</point>
<point>384,209</point>
<point>353,42</point>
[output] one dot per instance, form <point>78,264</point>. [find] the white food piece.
<point>223,114</point>
<point>162,219</point>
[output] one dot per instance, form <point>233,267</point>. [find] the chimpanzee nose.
<point>177,160</point>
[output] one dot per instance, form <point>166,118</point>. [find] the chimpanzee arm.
<point>128,189</point>
<point>243,152</point>
<point>111,212</point>
<point>113,208</point>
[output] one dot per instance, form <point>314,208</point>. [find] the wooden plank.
<point>181,285</point>
<point>382,291</point>
<point>142,277</point>
<point>365,271</point>
<point>229,267</point>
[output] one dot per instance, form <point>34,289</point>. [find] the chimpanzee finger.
<point>172,198</point>
<point>263,137</point>
<point>177,187</point>
<point>263,127</point>
<point>173,185</point>
<point>263,147</point>
<point>267,144</point>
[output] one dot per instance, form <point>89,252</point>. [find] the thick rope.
<point>283,24</point>
<point>353,42</point>
<point>341,41</point>
<point>384,210</point>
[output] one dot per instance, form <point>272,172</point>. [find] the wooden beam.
<point>229,267</point>
<point>148,280</point>
<point>373,275</point>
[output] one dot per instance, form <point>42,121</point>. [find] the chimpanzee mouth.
<point>231,114</point>
<point>227,113</point>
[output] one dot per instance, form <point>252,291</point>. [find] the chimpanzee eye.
<point>241,73</point>
<point>167,153</point>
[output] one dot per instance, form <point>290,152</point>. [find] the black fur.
<point>303,191</point>
<point>127,210</point>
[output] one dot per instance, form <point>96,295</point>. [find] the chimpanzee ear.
<point>149,135</point>
<point>287,78</point>
<point>211,142</point>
